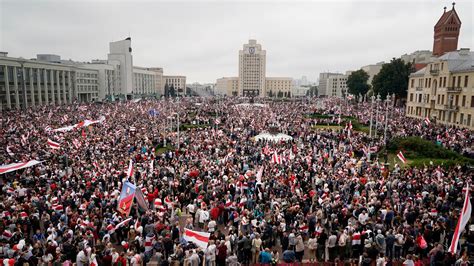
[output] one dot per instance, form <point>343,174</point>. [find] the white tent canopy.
<point>273,137</point>
<point>251,105</point>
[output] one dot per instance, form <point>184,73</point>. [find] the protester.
<point>316,196</point>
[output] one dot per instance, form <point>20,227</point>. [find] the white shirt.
<point>211,226</point>
<point>363,217</point>
<point>211,252</point>
<point>203,216</point>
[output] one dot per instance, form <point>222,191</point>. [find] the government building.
<point>444,90</point>
<point>252,80</point>
<point>47,79</point>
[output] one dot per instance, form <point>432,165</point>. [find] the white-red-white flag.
<point>463,220</point>
<point>199,238</point>
<point>54,145</point>
<point>427,121</point>
<point>276,158</point>
<point>16,166</point>
<point>401,157</point>
<point>130,169</point>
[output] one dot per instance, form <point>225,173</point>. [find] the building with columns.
<point>28,83</point>
<point>47,79</point>
<point>252,79</point>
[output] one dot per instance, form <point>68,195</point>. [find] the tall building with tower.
<point>446,32</point>
<point>252,63</point>
<point>252,79</point>
<point>443,90</point>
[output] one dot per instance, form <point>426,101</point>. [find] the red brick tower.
<point>446,32</point>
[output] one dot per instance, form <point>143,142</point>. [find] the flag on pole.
<point>427,121</point>
<point>401,157</point>
<point>126,198</point>
<point>16,166</point>
<point>54,145</point>
<point>130,169</point>
<point>199,238</point>
<point>463,220</point>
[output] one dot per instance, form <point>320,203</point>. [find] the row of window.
<point>456,81</point>
<point>454,101</point>
<point>444,116</point>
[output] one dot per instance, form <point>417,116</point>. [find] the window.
<point>444,82</point>
<point>459,81</point>
<point>466,80</point>
<point>463,100</point>
<point>472,101</point>
<point>442,99</point>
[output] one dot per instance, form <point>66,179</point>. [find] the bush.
<point>421,152</point>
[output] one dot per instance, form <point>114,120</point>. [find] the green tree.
<point>270,94</point>
<point>313,91</point>
<point>357,83</point>
<point>280,94</point>
<point>392,78</point>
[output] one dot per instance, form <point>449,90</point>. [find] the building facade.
<point>278,87</point>
<point>444,90</point>
<point>252,80</point>
<point>252,67</point>
<point>178,83</point>
<point>227,86</point>
<point>336,85</point>
<point>143,81</point>
<point>372,70</point>
<point>322,83</point>
<point>30,82</point>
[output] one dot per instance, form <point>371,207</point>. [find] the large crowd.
<point>322,201</point>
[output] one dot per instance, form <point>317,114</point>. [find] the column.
<point>7,86</point>
<point>45,86</point>
<point>76,94</point>
<point>69,86</point>
<point>15,84</point>
<point>38,85</point>
<point>58,87</point>
<point>32,87</point>
<point>64,86</point>
<point>51,76</point>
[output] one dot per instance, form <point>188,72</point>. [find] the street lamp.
<point>372,98</point>
<point>387,101</point>
<point>377,114</point>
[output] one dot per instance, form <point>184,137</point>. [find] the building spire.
<point>454,5</point>
<point>444,9</point>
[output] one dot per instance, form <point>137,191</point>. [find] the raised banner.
<point>126,198</point>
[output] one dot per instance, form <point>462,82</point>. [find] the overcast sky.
<point>201,39</point>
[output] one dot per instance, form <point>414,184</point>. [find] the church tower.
<point>446,32</point>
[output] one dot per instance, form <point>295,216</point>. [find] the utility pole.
<point>386,119</point>
<point>377,114</point>
<point>371,114</point>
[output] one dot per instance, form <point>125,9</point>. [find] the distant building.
<point>323,80</point>
<point>252,80</point>
<point>278,86</point>
<point>252,63</point>
<point>336,85</point>
<point>227,86</point>
<point>298,91</point>
<point>177,82</point>
<point>372,70</point>
<point>50,80</point>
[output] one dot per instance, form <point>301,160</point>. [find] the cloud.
<point>201,39</point>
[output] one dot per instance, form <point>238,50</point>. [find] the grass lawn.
<point>161,149</point>
<point>420,152</point>
<point>330,127</point>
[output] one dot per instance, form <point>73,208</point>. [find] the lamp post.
<point>387,101</point>
<point>371,114</point>
<point>377,114</point>
<point>23,84</point>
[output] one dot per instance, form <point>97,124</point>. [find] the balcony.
<point>434,72</point>
<point>419,88</point>
<point>454,89</point>
<point>451,108</point>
